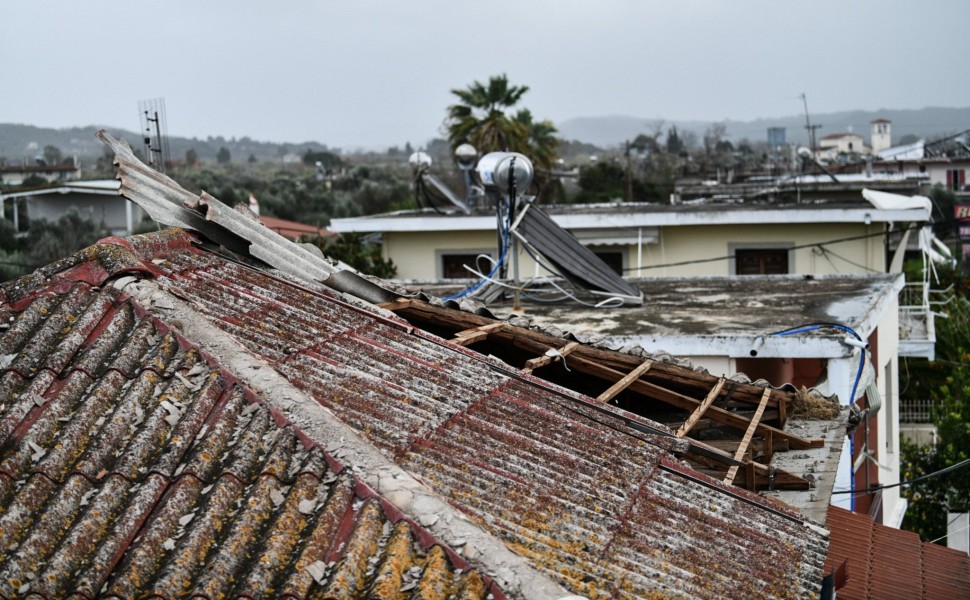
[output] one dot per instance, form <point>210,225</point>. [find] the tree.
<point>674,144</point>
<point>52,154</point>
<point>481,119</point>
<point>356,250</point>
<point>223,156</point>
<point>947,382</point>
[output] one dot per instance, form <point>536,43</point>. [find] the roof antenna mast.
<point>154,129</point>
<point>808,125</point>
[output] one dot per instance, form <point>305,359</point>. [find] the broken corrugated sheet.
<point>132,465</point>
<point>595,503</point>
<point>883,562</point>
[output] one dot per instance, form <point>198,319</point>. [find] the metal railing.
<point>918,410</point>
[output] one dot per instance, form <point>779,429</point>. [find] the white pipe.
<point>851,341</point>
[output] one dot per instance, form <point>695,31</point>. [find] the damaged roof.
<point>594,497</point>
<point>476,441</point>
<point>132,464</point>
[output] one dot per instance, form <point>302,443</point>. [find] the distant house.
<point>831,147</point>
<point>96,200</point>
<point>293,230</point>
<point>14,175</point>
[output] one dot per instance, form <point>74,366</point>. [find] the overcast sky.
<point>375,73</point>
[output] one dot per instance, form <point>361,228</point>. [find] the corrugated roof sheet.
<point>132,465</point>
<point>889,563</point>
<point>597,505</point>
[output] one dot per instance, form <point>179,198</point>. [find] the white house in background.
<point>692,238</point>
<point>96,200</point>
<point>12,175</point>
<point>708,242</point>
<point>833,145</point>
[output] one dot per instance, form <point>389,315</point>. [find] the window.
<point>612,258</point>
<point>453,265</point>
<point>761,261</point>
<point>955,179</point>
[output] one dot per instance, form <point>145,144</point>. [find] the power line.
<point>942,471</point>
<point>800,247</point>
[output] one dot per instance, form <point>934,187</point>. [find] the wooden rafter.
<point>748,435</point>
<point>701,409</point>
<point>476,334</point>
<point>624,383</point>
<point>612,366</point>
<point>551,355</point>
<point>681,401</point>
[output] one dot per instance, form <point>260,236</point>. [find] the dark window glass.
<point>453,265</point>
<point>761,261</point>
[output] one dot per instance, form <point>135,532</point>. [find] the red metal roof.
<point>132,464</point>
<point>596,504</point>
<point>292,229</point>
<point>889,563</point>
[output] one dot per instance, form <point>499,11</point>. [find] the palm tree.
<point>481,119</point>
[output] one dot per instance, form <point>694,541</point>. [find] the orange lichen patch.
<point>436,581</point>
<point>206,529</point>
<point>282,539</point>
<point>395,561</point>
<point>322,535</point>
<point>350,577</point>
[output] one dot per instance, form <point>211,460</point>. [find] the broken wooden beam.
<point>551,355</point>
<point>624,383</point>
<point>700,410</point>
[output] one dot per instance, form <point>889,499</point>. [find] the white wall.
<point>415,254</point>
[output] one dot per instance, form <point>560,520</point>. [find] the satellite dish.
<point>419,160</point>
<point>466,155</point>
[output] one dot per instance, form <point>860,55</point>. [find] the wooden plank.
<point>687,403</point>
<point>748,435</point>
<point>624,383</point>
<point>398,304</point>
<point>700,410</point>
<point>540,361</point>
<point>679,376</point>
<point>476,334</point>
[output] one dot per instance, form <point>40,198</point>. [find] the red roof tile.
<point>132,464</point>
<point>889,563</point>
<point>598,505</point>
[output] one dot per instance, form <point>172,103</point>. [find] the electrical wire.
<point>943,537</point>
<point>815,327</point>
<point>943,471</point>
<point>509,205</point>
<point>800,247</point>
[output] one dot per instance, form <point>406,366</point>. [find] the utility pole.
<point>808,125</point>
<point>629,174</point>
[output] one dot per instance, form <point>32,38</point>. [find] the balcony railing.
<point>916,410</point>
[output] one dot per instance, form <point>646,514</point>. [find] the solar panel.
<point>572,259</point>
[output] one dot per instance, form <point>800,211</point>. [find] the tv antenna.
<point>808,124</point>
<point>154,129</point>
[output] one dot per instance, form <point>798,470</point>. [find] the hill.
<point>25,142</point>
<point>926,123</point>
<point>19,142</point>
